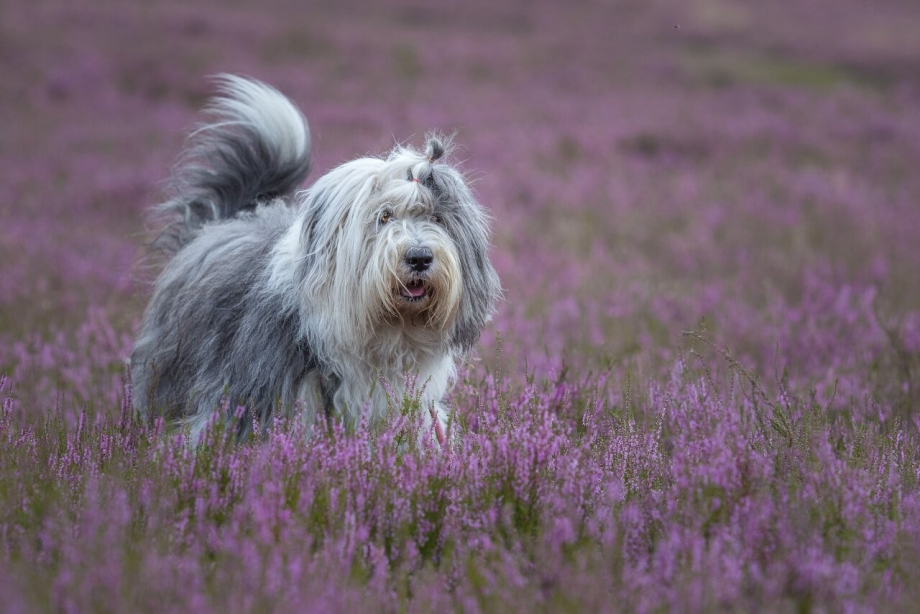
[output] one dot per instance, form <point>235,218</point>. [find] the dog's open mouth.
<point>413,291</point>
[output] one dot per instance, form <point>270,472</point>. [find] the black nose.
<point>419,258</point>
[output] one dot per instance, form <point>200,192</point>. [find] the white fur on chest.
<point>381,379</point>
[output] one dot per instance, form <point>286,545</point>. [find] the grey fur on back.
<point>208,320</point>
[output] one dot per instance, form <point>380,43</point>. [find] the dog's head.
<point>399,241</point>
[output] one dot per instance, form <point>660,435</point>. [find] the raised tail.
<point>256,148</point>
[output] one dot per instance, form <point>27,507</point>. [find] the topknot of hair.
<point>436,147</point>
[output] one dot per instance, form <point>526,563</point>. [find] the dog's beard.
<point>405,297</point>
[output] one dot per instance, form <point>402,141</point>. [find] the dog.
<point>328,302</point>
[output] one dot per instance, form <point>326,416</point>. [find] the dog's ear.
<point>333,208</point>
<point>468,225</point>
<point>481,290</point>
<point>335,218</point>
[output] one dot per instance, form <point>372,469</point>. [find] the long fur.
<point>308,303</point>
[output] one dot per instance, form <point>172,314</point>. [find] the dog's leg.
<point>327,387</point>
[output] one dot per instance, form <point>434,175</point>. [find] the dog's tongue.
<point>415,290</point>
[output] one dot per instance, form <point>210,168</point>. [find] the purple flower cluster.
<point>682,494</point>
<point>700,391</point>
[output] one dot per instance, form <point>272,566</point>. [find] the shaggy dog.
<point>329,301</point>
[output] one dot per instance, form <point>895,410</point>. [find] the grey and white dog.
<point>308,301</point>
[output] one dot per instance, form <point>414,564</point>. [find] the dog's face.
<point>398,242</point>
<point>413,263</point>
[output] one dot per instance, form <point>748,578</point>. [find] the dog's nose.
<point>419,258</point>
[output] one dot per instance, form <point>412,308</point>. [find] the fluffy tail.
<point>255,148</point>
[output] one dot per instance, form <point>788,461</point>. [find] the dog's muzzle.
<point>418,260</point>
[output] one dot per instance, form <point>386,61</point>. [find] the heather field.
<point>699,393</point>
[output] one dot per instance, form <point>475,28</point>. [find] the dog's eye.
<point>385,217</point>
<point>435,218</point>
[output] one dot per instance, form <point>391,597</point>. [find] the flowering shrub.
<point>699,391</point>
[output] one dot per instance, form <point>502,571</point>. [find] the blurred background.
<point>748,168</point>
